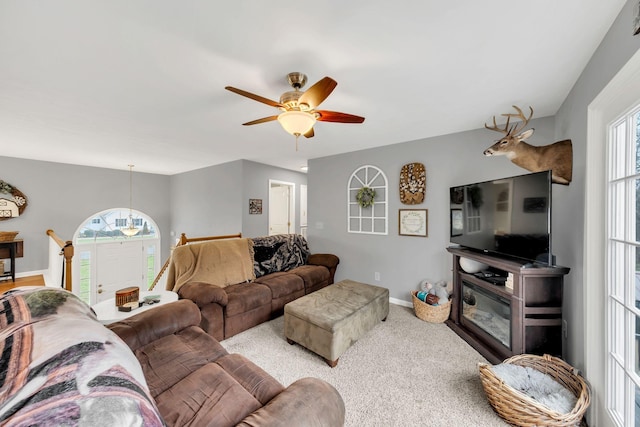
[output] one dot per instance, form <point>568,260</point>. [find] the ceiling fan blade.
<point>336,117</point>
<point>262,120</point>
<point>318,92</point>
<point>309,133</point>
<point>254,96</point>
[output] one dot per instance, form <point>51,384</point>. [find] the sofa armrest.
<point>330,261</point>
<point>148,326</point>
<point>203,293</point>
<point>306,402</point>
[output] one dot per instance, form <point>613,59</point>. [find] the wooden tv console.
<point>533,306</point>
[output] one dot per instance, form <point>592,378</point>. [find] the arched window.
<point>370,219</point>
<point>106,260</point>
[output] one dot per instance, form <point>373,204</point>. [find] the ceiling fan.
<point>299,113</point>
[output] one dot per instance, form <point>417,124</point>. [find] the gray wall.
<point>207,201</point>
<point>616,49</point>
<point>403,261</point>
<point>204,202</point>
<point>256,186</point>
<point>456,159</point>
<point>61,197</point>
<point>215,200</point>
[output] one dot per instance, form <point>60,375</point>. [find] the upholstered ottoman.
<point>329,320</point>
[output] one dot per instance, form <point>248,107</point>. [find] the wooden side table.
<point>11,250</point>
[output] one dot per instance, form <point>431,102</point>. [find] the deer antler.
<point>495,127</point>
<point>521,116</point>
<point>515,128</point>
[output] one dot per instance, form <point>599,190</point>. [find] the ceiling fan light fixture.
<point>297,122</point>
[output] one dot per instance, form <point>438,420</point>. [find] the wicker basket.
<point>8,236</point>
<point>519,409</point>
<point>430,313</point>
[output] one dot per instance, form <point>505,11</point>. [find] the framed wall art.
<point>534,204</point>
<point>457,225</point>
<point>255,206</point>
<point>413,222</point>
<point>413,183</point>
<point>12,201</point>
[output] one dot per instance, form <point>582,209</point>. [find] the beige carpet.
<point>405,372</point>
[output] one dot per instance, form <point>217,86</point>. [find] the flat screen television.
<point>509,216</point>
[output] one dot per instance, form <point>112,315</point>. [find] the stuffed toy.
<point>425,285</point>
<point>439,289</point>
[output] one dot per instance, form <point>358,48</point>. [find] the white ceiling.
<point>118,82</point>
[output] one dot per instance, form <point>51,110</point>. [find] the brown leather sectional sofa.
<point>61,366</point>
<point>195,382</point>
<point>283,270</point>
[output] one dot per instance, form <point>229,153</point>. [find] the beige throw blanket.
<point>220,262</point>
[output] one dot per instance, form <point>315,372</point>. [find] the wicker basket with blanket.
<point>520,409</point>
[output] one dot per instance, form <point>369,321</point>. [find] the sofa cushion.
<point>281,252</point>
<point>282,284</point>
<point>256,381</point>
<point>207,397</point>
<point>314,276</point>
<point>245,297</point>
<point>169,359</point>
<point>306,402</point>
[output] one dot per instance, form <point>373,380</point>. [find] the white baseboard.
<point>31,273</point>
<point>403,303</point>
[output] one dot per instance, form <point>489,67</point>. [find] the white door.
<point>303,210</point>
<point>119,265</point>
<point>281,208</point>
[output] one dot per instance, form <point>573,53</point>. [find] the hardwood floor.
<point>5,285</point>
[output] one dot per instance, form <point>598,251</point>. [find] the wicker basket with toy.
<point>432,303</point>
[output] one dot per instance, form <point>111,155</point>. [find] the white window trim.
<point>354,184</point>
<point>618,96</point>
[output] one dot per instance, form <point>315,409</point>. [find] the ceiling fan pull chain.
<point>297,136</point>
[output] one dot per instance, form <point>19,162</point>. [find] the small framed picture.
<point>457,225</point>
<point>413,222</point>
<point>255,206</point>
<point>534,204</point>
<point>456,195</point>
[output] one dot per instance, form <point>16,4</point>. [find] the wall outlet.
<point>565,329</point>
<point>376,276</point>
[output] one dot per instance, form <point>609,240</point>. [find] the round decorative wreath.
<point>18,197</point>
<point>365,197</point>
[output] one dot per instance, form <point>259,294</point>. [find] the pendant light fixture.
<point>130,229</point>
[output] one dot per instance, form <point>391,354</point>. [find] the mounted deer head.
<point>557,157</point>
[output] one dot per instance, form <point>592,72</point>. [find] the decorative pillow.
<point>281,252</point>
<point>60,366</point>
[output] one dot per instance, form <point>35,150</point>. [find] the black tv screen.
<point>509,216</point>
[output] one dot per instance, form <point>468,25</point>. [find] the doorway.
<point>107,260</point>
<point>282,211</point>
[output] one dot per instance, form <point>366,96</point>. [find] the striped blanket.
<point>61,367</point>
